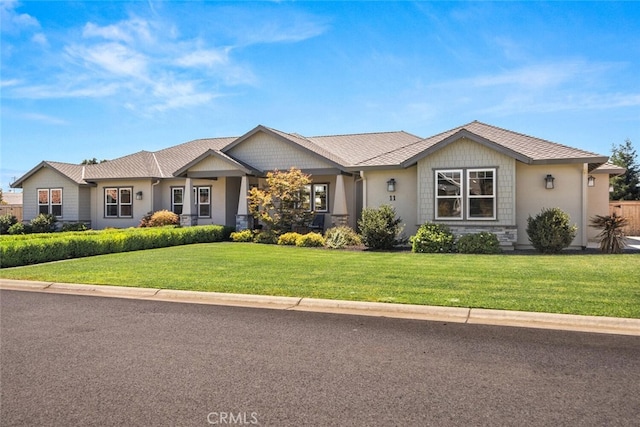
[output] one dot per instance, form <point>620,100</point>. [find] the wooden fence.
<point>12,210</point>
<point>629,210</point>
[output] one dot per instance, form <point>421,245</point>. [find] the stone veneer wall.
<point>507,235</point>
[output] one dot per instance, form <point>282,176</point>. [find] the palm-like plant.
<point>612,237</point>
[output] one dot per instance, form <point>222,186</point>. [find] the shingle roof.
<point>72,171</point>
<point>523,147</point>
<point>350,152</point>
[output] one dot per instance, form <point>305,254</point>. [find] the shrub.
<point>310,240</point>
<point>479,243</point>
<point>289,239</point>
<point>163,218</point>
<point>242,236</point>
<point>339,237</point>
<point>19,228</point>
<point>379,228</point>
<point>24,250</point>
<point>550,231</point>
<point>6,221</point>
<point>43,223</point>
<point>612,238</point>
<point>146,219</point>
<point>433,238</point>
<point>73,226</point>
<point>267,237</point>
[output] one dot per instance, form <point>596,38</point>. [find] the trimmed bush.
<point>289,239</point>
<point>380,228</point>
<point>479,243</point>
<point>433,238</point>
<point>267,237</point>
<point>38,248</point>
<point>310,240</point>
<point>550,231</point>
<point>43,223</point>
<point>73,226</point>
<point>6,221</point>
<point>339,237</point>
<point>242,236</point>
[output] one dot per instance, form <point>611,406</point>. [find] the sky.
<point>103,79</point>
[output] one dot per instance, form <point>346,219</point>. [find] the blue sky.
<point>105,79</point>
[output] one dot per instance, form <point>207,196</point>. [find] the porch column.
<point>188,217</point>
<point>340,214</point>
<point>242,217</point>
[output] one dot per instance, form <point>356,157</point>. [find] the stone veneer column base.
<point>339,220</point>
<point>242,222</point>
<point>188,220</point>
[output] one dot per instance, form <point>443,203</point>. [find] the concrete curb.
<point>568,322</point>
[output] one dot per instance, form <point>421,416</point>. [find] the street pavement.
<point>71,360</point>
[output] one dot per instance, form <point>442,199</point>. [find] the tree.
<point>93,161</point>
<point>625,187</point>
<point>281,205</point>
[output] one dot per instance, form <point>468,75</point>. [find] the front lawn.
<point>589,284</point>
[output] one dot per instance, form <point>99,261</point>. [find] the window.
<point>481,193</point>
<point>472,198</point>
<point>449,194</point>
<point>50,201</point>
<point>177,197</point>
<point>315,198</point>
<point>201,201</point>
<point>118,202</point>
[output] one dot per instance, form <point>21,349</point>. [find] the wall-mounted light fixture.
<point>139,195</point>
<point>548,182</point>
<point>610,188</point>
<point>591,181</point>
<point>391,185</point>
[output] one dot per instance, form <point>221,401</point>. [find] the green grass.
<point>604,285</point>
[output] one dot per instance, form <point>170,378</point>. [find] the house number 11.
<point>392,198</point>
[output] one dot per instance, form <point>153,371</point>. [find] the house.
<point>472,178</point>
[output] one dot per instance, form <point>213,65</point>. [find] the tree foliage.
<point>612,238</point>
<point>280,205</point>
<point>625,187</point>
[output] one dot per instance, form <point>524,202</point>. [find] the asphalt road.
<point>80,361</point>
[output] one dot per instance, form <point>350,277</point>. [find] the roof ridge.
<point>362,133</point>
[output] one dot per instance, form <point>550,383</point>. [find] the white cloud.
<point>124,31</point>
<point>207,58</point>
<point>40,39</point>
<point>111,57</point>
<point>14,22</point>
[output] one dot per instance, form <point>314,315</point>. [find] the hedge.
<point>37,248</point>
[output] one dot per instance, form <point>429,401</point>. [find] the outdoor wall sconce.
<point>391,185</point>
<point>591,181</point>
<point>548,182</point>
<point>139,195</point>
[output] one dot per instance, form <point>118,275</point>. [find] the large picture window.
<point>50,201</point>
<point>465,194</point>
<point>118,202</point>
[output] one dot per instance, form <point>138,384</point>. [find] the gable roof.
<point>350,152</point>
<point>524,148</point>
<point>70,171</point>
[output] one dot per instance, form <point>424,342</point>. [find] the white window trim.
<point>118,202</point>
<point>310,189</point>
<point>173,203</point>
<point>461,197</point>
<point>50,203</point>
<point>493,195</point>
<point>196,198</point>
